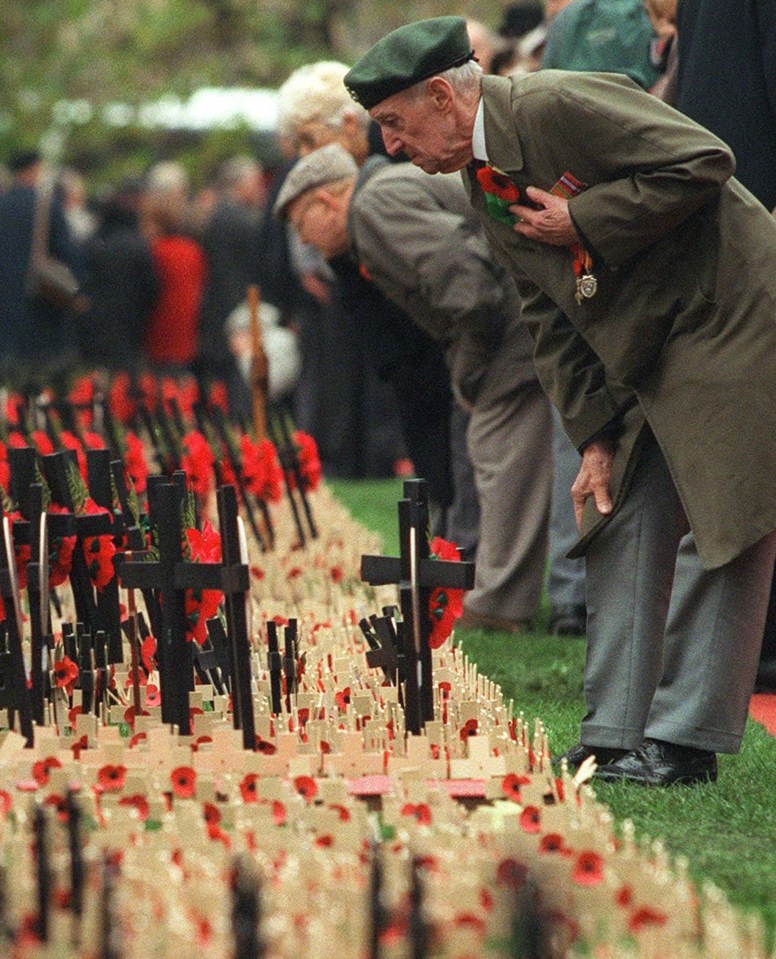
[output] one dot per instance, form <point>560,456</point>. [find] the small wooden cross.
<point>416,573</point>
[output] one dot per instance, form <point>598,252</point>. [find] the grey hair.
<point>465,81</point>
<point>234,170</point>
<point>316,93</point>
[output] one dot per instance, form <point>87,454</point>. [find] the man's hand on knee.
<point>593,478</point>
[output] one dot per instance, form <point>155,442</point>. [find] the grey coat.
<point>423,245</point>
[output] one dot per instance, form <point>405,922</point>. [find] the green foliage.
<point>97,53</point>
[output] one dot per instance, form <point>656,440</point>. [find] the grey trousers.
<point>566,577</point>
<point>672,648</point>
<point>510,446</point>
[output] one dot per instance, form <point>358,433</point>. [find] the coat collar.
<point>501,137</point>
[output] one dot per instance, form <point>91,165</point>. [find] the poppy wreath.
<point>444,605</point>
<point>500,193</point>
<point>201,604</point>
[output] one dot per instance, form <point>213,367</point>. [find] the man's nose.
<point>392,143</point>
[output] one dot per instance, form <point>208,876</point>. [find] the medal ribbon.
<point>568,187</point>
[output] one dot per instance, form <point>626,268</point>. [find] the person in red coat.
<point>170,339</point>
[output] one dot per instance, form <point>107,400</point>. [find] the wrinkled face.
<point>427,127</point>
<point>321,222</point>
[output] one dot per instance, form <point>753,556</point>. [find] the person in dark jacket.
<point>119,283</point>
<point>35,336</point>
<point>231,244</point>
<point>727,81</point>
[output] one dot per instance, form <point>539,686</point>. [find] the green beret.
<point>406,56</point>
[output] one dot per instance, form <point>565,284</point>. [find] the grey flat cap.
<point>329,163</point>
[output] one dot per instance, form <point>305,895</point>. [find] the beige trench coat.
<point>682,331</point>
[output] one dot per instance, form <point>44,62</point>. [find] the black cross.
<point>171,576</point>
<point>14,678</point>
<point>430,573</point>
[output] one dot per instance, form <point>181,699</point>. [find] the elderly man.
<point>648,280</point>
<point>421,243</point>
<point>315,109</point>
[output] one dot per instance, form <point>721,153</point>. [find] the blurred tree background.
<point>75,75</point>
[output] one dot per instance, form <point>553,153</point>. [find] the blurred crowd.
<point>163,269</point>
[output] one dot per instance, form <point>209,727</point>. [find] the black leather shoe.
<point>579,753</point>
<point>568,621</point>
<point>658,763</point>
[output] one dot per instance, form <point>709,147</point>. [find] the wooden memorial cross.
<point>416,573</point>
<point>55,468</point>
<point>380,634</point>
<point>108,616</point>
<point>236,587</point>
<point>14,677</point>
<point>172,576</point>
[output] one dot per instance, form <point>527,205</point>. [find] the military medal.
<point>587,284</point>
<point>568,186</point>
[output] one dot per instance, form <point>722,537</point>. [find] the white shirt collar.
<point>479,149</point>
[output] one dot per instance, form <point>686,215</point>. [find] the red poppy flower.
<point>470,920</point>
<point>153,696</point>
<point>511,784</point>
<point>486,900</point>
<point>148,653</point>
<point>342,811</point>
<point>78,745</point>
<point>552,842</point>
<point>184,781</point>
<point>645,917</point>
<point>59,804</point>
<point>336,574</point>
<point>6,801</point>
<point>279,814</point>
<point>497,184</point>
<point>65,673</point>
<point>307,787</point>
<point>309,461</point>
<point>137,738</point>
<point>41,769</point>
<point>343,698</point>
<point>444,605</point>
<point>469,728</point>
<point>530,819</point>
<point>324,841</point>
<point>138,802</point>
<point>121,402</point>
<point>135,462</point>
<point>215,832</point>
<point>217,396</point>
<point>421,812</point>
<point>264,747</point>
<point>211,813</point>
<point>511,873</point>
<point>42,443</point>
<point>262,472</point>
<point>325,747</point>
<point>248,788</point>
<point>624,896</point>
<point>197,462</point>
<point>588,869</point>
<point>112,778</point>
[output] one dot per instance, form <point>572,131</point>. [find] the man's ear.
<point>441,93</point>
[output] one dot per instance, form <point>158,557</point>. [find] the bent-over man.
<point>648,281</point>
<point>420,242</point>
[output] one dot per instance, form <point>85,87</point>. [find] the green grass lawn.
<point>727,831</point>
